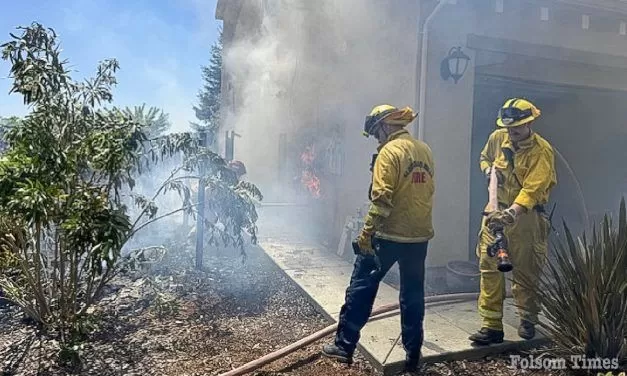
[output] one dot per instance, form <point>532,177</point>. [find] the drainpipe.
<point>423,68</point>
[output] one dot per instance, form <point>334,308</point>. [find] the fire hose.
<point>498,248</point>
<point>377,314</point>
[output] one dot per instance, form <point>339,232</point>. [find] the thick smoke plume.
<point>310,75</point>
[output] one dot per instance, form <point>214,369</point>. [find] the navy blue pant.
<point>362,291</point>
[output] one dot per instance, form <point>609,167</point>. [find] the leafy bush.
<point>584,292</point>
<point>67,176</point>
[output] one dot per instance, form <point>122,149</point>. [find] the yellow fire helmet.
<point>391,115</point>
<point>516,112</point>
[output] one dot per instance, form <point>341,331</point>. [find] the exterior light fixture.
<point>454,65</point>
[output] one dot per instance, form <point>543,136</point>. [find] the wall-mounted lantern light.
<point>454,65</point>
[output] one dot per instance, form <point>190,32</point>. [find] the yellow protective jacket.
<point>533,164</point>
<point>402,191</point>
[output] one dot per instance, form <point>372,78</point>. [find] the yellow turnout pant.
<point>527,247</point>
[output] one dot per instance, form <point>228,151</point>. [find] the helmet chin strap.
<point>383,130</point>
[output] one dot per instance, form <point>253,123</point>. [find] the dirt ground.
<point>191,323</point>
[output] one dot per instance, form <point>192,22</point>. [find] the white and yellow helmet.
<point>516,112</point>
<point>391,115</point>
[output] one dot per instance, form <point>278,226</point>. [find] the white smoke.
<point>312,66</point>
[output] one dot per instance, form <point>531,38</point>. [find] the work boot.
<point>487,336</point>
<point>405,372</point>
<point>411,367</point>
<point>526,330</point>
<point>332,351</point>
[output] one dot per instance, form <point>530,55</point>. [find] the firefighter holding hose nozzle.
<point>498,249</point>
<point>515,233</point>
<point>397,228</point>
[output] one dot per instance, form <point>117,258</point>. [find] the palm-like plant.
<point>584,292</point>
<point>155,121</point>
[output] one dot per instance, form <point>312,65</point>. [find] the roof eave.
<point>605,5</point>
<point>220,9</point>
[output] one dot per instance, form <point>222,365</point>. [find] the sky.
<point>160,45</point>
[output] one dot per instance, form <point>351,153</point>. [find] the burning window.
<point>310,160</point>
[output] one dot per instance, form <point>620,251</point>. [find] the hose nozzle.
<point>498,249</point>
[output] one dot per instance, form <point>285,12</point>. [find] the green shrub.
<point>584,292</point>
<point>67,176</point>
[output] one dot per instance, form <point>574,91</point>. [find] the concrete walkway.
<point>324,276</point>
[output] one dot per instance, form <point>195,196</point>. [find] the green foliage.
<point>164,304</point>
<point>8,123</point>
<point>69,356</point>
<point>5,125</point>
<point>155,121</point>
<point>584,292</point>
<point>235,208</point>
<point>208,109</point>
<point>67,175</point>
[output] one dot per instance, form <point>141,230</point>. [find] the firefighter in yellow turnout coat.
<point>397,228</point>
<point>524,162</point>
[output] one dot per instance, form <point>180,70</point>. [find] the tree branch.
<point>154,197</point>
<point>160,217</point>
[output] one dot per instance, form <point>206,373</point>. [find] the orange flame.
<point>308,177</point>
<point>312,183</point>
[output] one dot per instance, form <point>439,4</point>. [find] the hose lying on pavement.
<point>377,314</point>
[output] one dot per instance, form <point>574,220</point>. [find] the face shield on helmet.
<point>374,122</point>
<point>510,115</point>
<point>387,114</point>
<point>516,112</point>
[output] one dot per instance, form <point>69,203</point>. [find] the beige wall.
<point>447,129</point>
